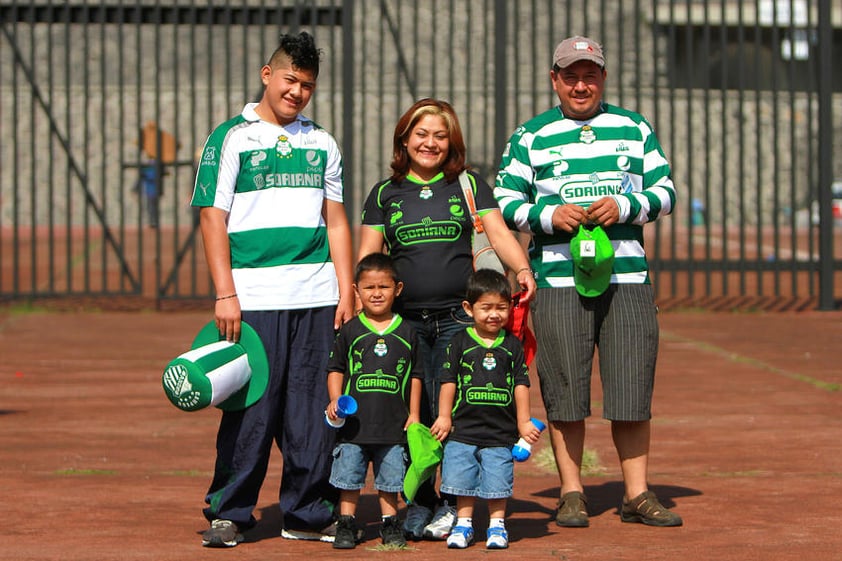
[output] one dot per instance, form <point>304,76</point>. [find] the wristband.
<point>226,297</point>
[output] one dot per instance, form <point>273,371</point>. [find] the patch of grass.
<point>747,473</point>
<point>384,547</point>
<point>545,459</point>
<point>75,471</point>
<point>25,308</point>
<point>590,463</point>
<point>187,473</point>
<point>755,363</point>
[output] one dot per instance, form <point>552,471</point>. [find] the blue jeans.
<point>476,471</point>
<point>435,329</point>
<point>350,465</point>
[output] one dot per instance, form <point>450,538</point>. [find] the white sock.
<point>469,522</point>
<point>497,523</point>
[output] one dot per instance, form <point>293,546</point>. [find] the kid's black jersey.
<point>377,368</point>
<point>428,229</point>
<point>484,412</point>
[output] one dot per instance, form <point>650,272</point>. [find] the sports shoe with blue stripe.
<point>497,538</point>
<point>460,537</point>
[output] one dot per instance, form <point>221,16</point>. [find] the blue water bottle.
<point>522,449</point>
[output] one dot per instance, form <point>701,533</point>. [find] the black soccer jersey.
<point>428,229</point>
<point>377,368</point>
<point>484,411</point>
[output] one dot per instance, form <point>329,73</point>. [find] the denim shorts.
<point>350,465</point>
<point>473,471</point>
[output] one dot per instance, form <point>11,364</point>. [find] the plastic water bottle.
<point>345,406</point>
<point>522,449</point>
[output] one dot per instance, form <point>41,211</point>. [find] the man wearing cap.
<point>583,178</point>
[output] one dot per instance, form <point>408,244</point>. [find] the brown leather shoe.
<point>646,509</point>
<point>572,510</point>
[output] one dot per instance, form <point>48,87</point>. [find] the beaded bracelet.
<point>527,269</point>
<point>226,297</point>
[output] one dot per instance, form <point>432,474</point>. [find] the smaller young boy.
<point>483,407</point>
<point>375,360</point>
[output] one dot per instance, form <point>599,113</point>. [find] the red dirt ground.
<point>98,465</point>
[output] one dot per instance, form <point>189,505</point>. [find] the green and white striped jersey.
<point>273,180</point>
<point>552,160</point>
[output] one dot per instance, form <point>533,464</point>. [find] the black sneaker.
<point>346,533</point>
<point>391,532</point>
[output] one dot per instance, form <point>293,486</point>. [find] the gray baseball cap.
<point>578,48</point>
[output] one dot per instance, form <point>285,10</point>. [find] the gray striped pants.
<point>622,324</point>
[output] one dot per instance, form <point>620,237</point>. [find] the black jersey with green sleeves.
<point>428,229</point>
<point>377,368</point>
<point>484,411</point>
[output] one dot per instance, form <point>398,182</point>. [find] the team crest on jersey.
<point>587,135</point>
<point>283,147</point>
<point>426,193</point>
<point>380,348</point>
<point>209,157</point>
<point>489,362</point>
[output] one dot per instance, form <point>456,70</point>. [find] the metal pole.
<point>348,66</point>
<point>825,91</point>
<point>502,127</point>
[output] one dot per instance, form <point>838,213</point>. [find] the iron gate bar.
<point>825,157</point>
<point>731,139</point>
<point>179,14</point>
<point>90,202</point>
<point>402,63</point>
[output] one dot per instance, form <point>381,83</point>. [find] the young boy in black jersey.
<point>483,407</point>
<point>375,360</point>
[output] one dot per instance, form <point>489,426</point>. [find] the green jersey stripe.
<point>272,247</point>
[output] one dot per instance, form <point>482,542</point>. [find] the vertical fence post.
<point>825,91</point>
<point>348,66</point>
<point>501,120</point>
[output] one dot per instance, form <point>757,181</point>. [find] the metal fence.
<point>742,95</point>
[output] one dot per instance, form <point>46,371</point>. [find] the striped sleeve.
<point>513,188</point>
<point>657,197</point>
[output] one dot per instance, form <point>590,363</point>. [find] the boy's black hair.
<point>376,262</point>
<point>301,51</point>
<point>485,281</point>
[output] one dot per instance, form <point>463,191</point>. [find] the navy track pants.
<point>290,413</point>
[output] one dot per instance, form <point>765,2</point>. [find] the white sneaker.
<point>417,517</point>
<point>326,535</point>
<point>443,521</point>
<point>498,538</point>
<point>462,537</point>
